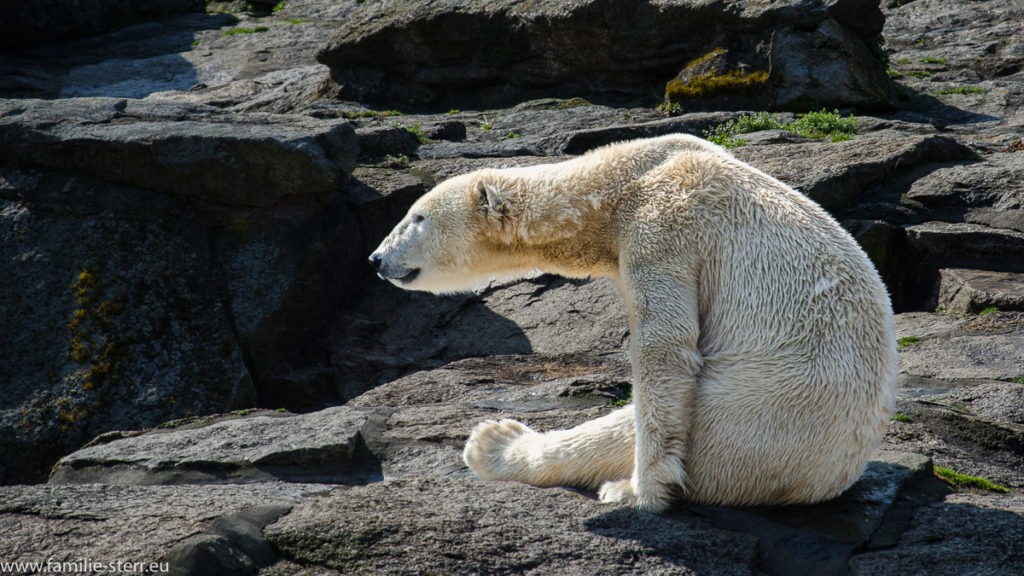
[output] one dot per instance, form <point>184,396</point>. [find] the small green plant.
<point>907,341</point>
<point>253,30</point>
<point>454,111</point>
<point>512,135</point>
<point>296,21</point>
<point>964,90</point>
<point>621,403</point>
<point>989,310</point>
<point>902,418</point>
<point>399,161</point>
<point>823,123</point>
<point>961,407</point>
<point>485,126</point>
<point>670,108</point>
<point>940,309</point>
<point>282,410</point>
<point>195,42</point>
<point>278,7</point>
<point>417,131</point>
<point>970,482</point>
<point>904,60</point>
<point>932,60</point>
<point>1017,380</point>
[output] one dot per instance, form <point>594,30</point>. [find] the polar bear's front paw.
<point>652,499</point>
<point>498,450</point>
<point>617,492</point>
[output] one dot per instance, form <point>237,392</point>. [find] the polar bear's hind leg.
<point>586,456</point>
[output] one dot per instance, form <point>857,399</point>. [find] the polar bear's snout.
<point>386,269</point>
<point>391,260</point>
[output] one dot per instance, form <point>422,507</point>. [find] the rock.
<point>988,192</point>
<point>174,260</point>
<point>971,291</point>
<point>450,130</point>
<point>454,525</point>
<point>386,140</point>
<point>958,63</point>
<point>581,141</point>
<point>990,347</point>
<point>234,160</point>
<point>839,175</point>
<point>966,534</point>
<point>428,55</point>
<point>320,447</point>
<point>52,21</point>
<point>391,332</point>
<point>144,528</point>
<point>962,245</point>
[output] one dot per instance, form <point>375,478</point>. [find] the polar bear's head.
<point>455,238</point>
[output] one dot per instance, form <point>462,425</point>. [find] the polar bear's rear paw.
<point>500,450</point>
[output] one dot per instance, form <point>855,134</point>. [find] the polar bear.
<point>762,343</point>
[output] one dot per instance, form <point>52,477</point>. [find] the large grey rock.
<point>190,152</point>
<point>988,192</point>
<point>938,48</point>
<point>971,291</point>
<point>429,54</point>
<point>326,446</point>
<point>841,174</point>
<point>962,244</point>
<point>457,526</point>
<point>151,260</point>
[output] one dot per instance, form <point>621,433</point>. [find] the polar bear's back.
<point>795,333</point>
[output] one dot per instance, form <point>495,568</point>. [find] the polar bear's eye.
<point>417,218</point>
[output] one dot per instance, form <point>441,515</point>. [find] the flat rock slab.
<point>183,150</point>
<point>168,525</point>
<point>964,291</point>
<point>450,525</point>
<point>949,347</point>
<point>457,525</point>
<point>974,534</point>
<point>326,446</point>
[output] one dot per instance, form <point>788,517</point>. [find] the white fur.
<point>764,359</point>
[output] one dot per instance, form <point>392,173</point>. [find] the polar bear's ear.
<point>490,194</point>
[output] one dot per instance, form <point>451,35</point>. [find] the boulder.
<point>840,175</point>
<point>971,291</point>
<point>986,192</point>
<point>320,447</point>
<point>181,150</point>
<point>163,257</point>
<point>428,55</point>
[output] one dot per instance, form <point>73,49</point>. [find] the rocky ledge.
<point>200,367</point>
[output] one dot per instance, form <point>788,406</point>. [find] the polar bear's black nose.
<point>375,261</point>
